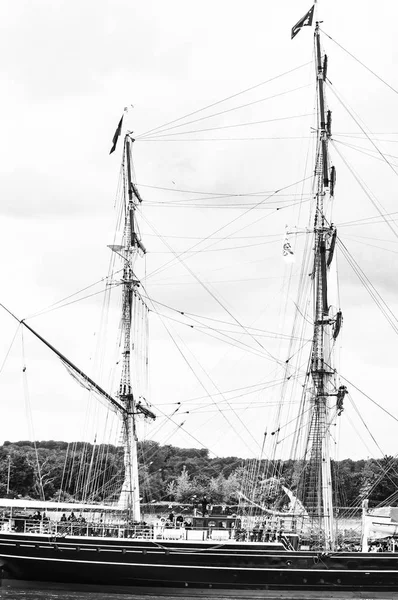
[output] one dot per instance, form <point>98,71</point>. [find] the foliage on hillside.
<point>58,470</point>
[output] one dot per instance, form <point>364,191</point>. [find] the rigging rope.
<point>202,384</point>
<point>373,200</point>
<point>213,233</point>
<point>369,398</point>
<point>241,139</point>
<point>372,291</point>
<point>366,152</point>
<point>360,62</point>
<point>232,126</point>
<point>9,348</point>
<point>28,408</point>
<point>213,295</point>
<point>232,109</point>
<point>249,89</point>
<point>363,130</point>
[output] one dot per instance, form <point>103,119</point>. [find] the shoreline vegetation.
<point>78,471</point>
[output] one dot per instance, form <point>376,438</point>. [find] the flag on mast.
<point>306,20</point>
<point>116,135</point>
<point>287,251</point>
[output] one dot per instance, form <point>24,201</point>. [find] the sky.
<point>68,71</point>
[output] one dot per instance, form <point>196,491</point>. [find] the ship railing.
<point>6,524</point>
<point>75,528</point>
<point>29,525</point>
<point>133,531</point>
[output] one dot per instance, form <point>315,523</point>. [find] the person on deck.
<point>205,504</point>
<point>188,524</point>
<point>194,501</point>
<point>179,520</point>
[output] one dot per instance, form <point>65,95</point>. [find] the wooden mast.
<point>130,494</point>
<point>322,371</point>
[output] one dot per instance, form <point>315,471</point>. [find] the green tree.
<point>183,486</point>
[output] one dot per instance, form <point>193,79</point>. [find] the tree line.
<point>55,470</point>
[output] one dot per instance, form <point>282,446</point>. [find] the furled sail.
<point>337,324</point>
<point>332,246</point>
<point>332,181</point>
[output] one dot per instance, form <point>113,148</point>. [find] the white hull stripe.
<point>168,566</point>
<point>288,555</point>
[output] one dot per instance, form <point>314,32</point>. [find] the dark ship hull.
<point>120,564</point>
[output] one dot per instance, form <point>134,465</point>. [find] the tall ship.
<point>256,551</point>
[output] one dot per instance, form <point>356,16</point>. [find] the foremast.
<point>320,495</point>
<point>129,499</point>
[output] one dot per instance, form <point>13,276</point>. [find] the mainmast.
<point>319,496</point>
<point>131,245</point>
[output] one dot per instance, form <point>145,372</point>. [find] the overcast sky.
<point>68,70</point>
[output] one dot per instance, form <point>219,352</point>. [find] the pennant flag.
<point>116,136</point>
<point>288,253</point>
<point>306,20</point>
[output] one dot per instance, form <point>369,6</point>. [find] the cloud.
<point>69,68</point>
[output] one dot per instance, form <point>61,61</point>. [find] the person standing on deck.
<point>205,504</point>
